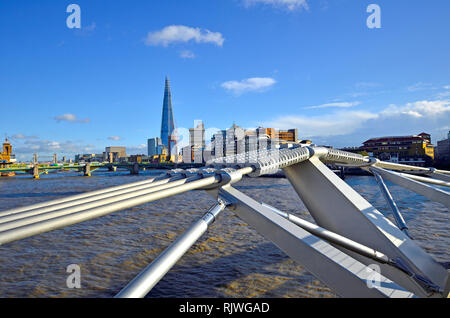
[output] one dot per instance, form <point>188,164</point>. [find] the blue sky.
<point>307,64</point>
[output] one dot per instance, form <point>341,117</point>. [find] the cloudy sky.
<point>307,64</point>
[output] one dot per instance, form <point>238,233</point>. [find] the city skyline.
<point>276,65</point>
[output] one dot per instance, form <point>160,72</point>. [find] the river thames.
<point>231,260</point>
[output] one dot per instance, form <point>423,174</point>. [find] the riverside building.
<point>414,150</point>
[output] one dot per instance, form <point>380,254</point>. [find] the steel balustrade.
<point>425,179</point>
<point>95,200</point>
<point>78,217</point>
<point>38,216</point>
<point>77,197</point>
<point>344,219</point>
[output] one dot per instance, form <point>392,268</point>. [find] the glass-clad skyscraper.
<point>154,147</point>
<point>168,124</point>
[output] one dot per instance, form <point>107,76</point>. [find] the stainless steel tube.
<point>153,273</point>
<point>82,207</point>
<point>74,218</point>
<point>81,196</point>
<point>426,179</point>
<point>414,184</point>
<point>390,200</point>
<point>79,204</point>
<point>400,167</point>
<point>333,237</point>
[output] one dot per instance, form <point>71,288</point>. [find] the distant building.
<point>197,135</point>
<point>290,135</point>
<point>236,140</point>
<point>139,158</point>
<point>228,142</point>
<point>412,150</point>
<point>90,157</point>
<point>6,156</point>
<point>195,151</point>
<point>168,138</point>
<point>357,150</point>
<point>154,146</point>
<point>443,150</point>
<point>115,154</point>
<point>165,159</point>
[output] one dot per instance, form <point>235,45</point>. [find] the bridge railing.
<point>349,240</point>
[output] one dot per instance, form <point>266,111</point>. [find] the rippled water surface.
<point>231,260</point>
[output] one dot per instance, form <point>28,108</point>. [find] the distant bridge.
<point>351,247</point>
<point>36,170</point>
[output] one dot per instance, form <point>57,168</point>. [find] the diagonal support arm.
<point>337,207</point>
<point>345,275</point>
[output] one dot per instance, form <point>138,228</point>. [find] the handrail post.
<point>390,200</point>
<point>153,273</point>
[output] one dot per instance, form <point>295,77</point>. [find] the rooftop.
<point>422,136</point>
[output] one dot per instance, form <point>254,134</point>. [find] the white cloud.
<point>45,148</point>
<point>18,136</point>
<point>71,118</point>
<point>420,87</point>
<point>443,95</point>
<point>340,123</point>
<point>137,150</point>
<point>338,105</point>
<point>22,137</point>
<point>417,116</point>
<point>254,84</point>
<point>420,109</point>
<point>90,27</point>
<point>114,138</point>
<point>25,148</point>
<point>367,85</point>
<point>186,54</point>
<point>291,5</point>
<point>183,34</point>
<point>86,30</point>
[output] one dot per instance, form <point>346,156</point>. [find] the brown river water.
<point>231,260</point>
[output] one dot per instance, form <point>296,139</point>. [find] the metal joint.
<point>211,216</point>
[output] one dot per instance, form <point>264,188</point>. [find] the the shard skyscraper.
<point>168,138</point>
